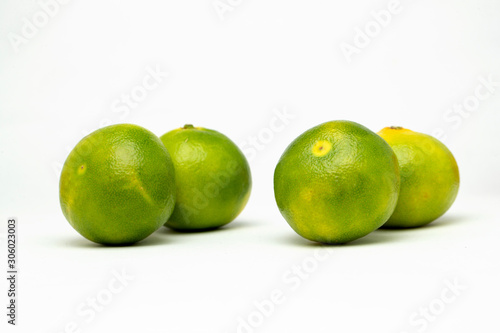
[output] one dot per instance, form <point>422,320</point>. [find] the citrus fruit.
<point>212,178</point>
<point>429,177</point>
<point>117,185</point>
<point>336,182</point>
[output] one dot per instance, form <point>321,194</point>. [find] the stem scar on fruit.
<point>321,148</point>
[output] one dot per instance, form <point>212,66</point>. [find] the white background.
<point>232,72</point>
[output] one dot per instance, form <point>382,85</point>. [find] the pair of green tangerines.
<point>334,183</point>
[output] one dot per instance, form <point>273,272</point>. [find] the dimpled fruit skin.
<point>213,178</point>
<point>117,185</point>
<point>336,182</point>
<point>429,177</point>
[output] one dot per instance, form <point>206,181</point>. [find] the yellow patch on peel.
<point>135,183</point>
<point>81,169</point>
<point>321,148</point>
<point>307,194</point>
